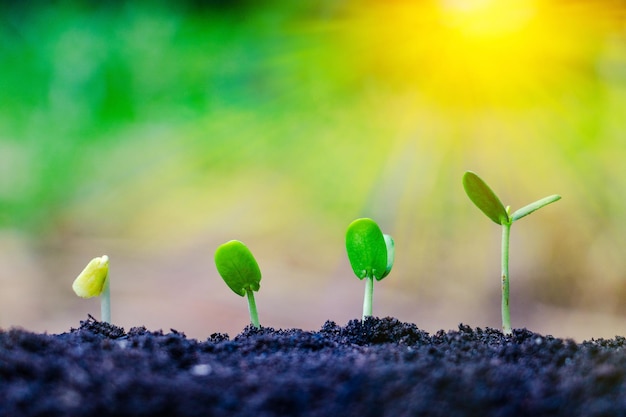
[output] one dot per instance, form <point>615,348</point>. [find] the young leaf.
<point>526,210</point>
<point>391,254</point>
<point>367,250</point>
<point>237,266</point>
<point>92,280</point>
<point>484,198</point>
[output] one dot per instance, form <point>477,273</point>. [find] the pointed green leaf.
<point>526,210</point>
<point>237,266</point>
<point>484,198</point>
<point>367,250</point>
<point>391,254</point>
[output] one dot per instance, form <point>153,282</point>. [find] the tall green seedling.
<point>93,281</point>
<point>489,203</point>
<point>237,266</point>
<point>371,254</point>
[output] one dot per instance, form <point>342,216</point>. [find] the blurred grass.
<point>169,126</point>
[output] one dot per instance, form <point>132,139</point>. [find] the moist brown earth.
<point>381,367</point>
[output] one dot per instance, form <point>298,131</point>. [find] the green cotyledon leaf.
<point>526,210</point>
<point>367,250</point>
<point>484,198</point>
<point>237,266</point>
<point>391,254</point>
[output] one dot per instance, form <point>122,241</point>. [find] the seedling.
<point>489,203</point>
<point>371,255</point>
<point>241,272</point>
<point>94,282</point>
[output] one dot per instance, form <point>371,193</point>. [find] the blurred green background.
<point>153,132</point>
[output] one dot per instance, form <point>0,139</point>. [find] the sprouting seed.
<point>371,254</point>
<point>93,281</point>
<point>237,266</point>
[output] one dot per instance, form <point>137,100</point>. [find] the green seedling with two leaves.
<point>489,203</point>
<point>371,254</point>
<point>241,272</point>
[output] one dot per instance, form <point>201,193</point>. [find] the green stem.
<point>105,303</point>
<point>506,313</point>
<point>254,315</point>
<point>367,299</point>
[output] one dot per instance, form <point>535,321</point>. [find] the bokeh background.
<point>154,131</point>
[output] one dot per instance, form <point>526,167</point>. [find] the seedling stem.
<point>369,295</point>
<point>105,303</point>
<point>254,315</point>
<point>506,312</point>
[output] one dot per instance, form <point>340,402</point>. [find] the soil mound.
<point>381,367</point>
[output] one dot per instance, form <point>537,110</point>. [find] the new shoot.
<point>371,255</point>
<point>241,272</point>
<point>489,203</point>
<point>94,282</point>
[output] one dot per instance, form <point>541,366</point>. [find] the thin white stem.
<point>105,303</point>
<point>367,298</point>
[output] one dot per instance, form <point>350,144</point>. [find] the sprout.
<point>94,282</point>
<point>371,255</point>
<point>237,266</point>
<point>489,203</point>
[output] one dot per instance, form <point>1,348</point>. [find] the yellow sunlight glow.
<point>488,19</point>
<point>477,52</point>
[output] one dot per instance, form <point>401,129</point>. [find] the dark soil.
<point>378,368</point>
